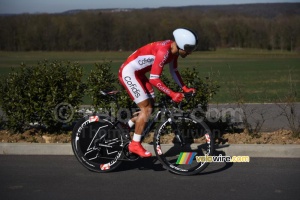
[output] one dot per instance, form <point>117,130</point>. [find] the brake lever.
<point>188,96</point>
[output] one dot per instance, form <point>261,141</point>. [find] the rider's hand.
<point>177,96</point>
<point>188,90</point>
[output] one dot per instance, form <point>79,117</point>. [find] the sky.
<point>56,6</point>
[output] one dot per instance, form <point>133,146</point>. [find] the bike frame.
<point>162,108</point>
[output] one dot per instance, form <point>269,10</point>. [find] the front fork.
<point>177,133</point>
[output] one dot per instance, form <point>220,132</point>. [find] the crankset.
<point>128,155</point>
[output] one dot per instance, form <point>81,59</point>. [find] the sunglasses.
<point>189,48</point>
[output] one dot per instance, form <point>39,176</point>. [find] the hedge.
<point>39,95</point>
<point>48,95</point>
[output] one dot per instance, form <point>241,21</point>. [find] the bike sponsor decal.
<point>116,158</point>
<point>207,137</point>
<point>161,128</point>
<point>92,146</point>
<point>94,119</point>
<point>177,168</point>
<point>105,166</point>
<point>79,131</point>
<point>132,86</point>
<point>158,150</point>
<point>109,144</point>
<point>87,162</point>
<point>111,163</point>
<point>82,126</point>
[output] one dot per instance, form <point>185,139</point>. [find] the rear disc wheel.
<point>98,144</point>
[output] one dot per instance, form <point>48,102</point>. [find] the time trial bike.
<point>100,141</point>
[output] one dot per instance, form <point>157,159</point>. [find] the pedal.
<point>130,156</point>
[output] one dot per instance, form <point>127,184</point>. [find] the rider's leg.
<point>132,121</point>
<point>146,107</point>
<point>150,93</point>
<point>140,90</point>
<point>135,146</point>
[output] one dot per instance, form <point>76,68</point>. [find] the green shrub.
<point>46,94</point>
<point>205,88</point>
<point>101,79</point>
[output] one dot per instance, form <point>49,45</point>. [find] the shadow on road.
<point>217,167</point>
<point>141,164</point>
<point>153,164</point>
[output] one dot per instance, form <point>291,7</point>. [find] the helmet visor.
<point>190,48</point>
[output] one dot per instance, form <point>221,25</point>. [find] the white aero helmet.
<point>185,39</point>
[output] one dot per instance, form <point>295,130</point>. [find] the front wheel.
<point>182,145</point>
<point>98,144</point>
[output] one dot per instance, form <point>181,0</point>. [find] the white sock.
<point>130,123</point>
<point>136,137</point>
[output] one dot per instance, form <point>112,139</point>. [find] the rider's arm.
<point>175,74</point>
<point>155,74</point>
<point>156,71</point>
<point>176,96</point>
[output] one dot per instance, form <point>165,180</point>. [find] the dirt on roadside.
<point>35,136</point>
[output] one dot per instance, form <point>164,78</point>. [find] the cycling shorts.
<point>136,83</point>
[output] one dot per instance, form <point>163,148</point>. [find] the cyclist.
<point>152,58</point>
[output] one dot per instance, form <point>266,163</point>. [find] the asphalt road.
<point>62,177</point>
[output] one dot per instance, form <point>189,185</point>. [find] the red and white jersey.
<point>149,58</point>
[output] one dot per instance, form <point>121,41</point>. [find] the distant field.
<point>261,76</point>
